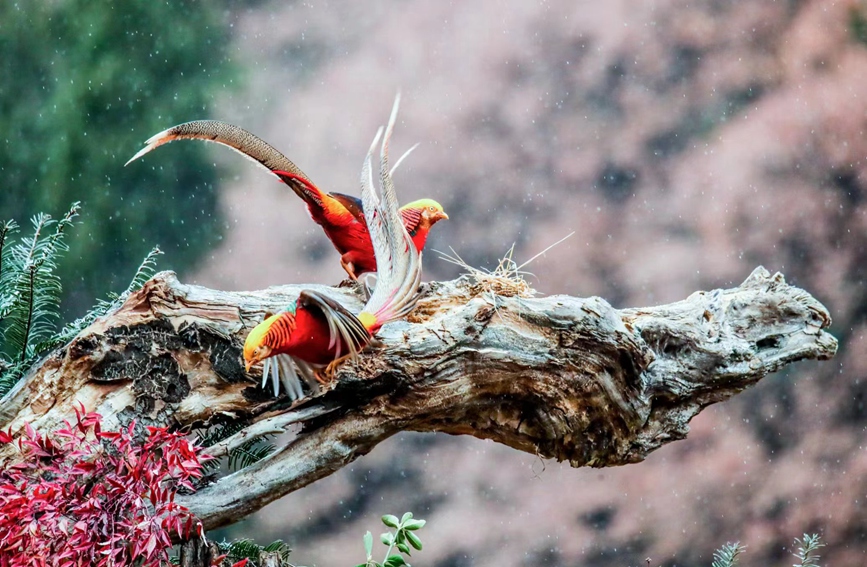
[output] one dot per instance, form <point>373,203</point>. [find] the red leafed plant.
<point>83,496</point>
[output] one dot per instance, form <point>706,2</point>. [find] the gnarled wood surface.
<point>562,377</point>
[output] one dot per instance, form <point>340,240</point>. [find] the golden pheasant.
<point>341,216</point>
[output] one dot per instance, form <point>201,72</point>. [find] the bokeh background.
<point>685,143</point>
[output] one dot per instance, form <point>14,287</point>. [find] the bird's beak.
<point>442,216</point>
<point>263,353</point>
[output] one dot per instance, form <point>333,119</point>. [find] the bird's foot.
<point>322,377</point>
<point>326,375</point>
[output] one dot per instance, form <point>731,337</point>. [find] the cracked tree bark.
<point>561,377</point>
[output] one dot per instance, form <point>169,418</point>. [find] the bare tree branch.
<point>561,377</point>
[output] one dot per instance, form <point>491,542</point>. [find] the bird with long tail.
<point>316,333</point>
<point>341,216</point>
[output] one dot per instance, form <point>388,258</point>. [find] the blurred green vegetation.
<point>858,22</point>
<point>82,85</point>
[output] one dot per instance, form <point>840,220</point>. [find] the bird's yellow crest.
<point>425,204</point>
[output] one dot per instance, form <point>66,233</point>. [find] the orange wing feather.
<point>342,219</point>
<point>324,208</point>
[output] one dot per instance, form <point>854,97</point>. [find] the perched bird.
<point>341,216</point>
<point>316,332</point>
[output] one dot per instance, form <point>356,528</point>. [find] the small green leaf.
<point>414,524</point>
<point>407,516</point>
<point>368,544</point>
<point>361,565</point>
<point>413,540</point>
<point>401,536</point>
<point>395,561</point>
<point>390,521</point>
<point>404,548</point>
<point>386,538</point>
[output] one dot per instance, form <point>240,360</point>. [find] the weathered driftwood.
<point>561,377</point>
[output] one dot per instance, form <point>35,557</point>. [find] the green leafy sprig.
<point>728,555</point>
<point>403,538</point>
<point>807,548</point>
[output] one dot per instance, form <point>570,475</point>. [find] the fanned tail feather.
<point>407,269</point>
<point>397,260</point>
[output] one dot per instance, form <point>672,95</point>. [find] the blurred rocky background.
<point>685,142</point>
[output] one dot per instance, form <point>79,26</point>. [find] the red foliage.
<point>84,496</point>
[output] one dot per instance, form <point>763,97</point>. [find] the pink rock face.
<point>684,143</point>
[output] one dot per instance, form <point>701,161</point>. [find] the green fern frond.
<point>216,433</point>
<point>7,228</point>
<point>727,555</point>
<point>807,548</point>
<point>243,548</point>
<point>30,294</point>
<point>280,547</point>
<point>16,292</point>
<point>145,271</point>
<point>212,435</point>
<point>7,299</point>
<point>249,453</point>
<point>32,289</point>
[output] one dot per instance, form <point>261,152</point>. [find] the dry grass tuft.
<point>508,279</point>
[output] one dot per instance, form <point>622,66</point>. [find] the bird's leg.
<point>326,375</point>
<point>349,267</point>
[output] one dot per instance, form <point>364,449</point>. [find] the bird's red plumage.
<point>304,335</point>
<point>342,219</point>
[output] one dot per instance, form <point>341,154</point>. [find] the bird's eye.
<point>432,209</point>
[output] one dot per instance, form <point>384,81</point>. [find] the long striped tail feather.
<point>245,143</point>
